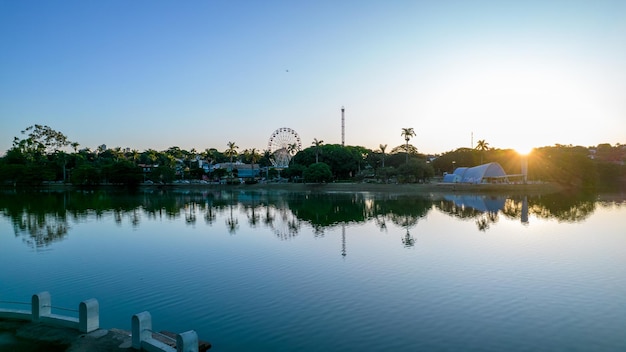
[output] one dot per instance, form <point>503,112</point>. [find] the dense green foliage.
<point>318,172</point>
<point>42,156</point>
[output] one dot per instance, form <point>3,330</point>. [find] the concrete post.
<point>187,341</point>
<point>88,315</point>
<point>141,328</point>
<point>41,305</point>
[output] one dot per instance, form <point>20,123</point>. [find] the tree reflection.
<point>406,213</point>
<point>135,218</point>
<point>210,215</point>
<point>318,230</point>
<point>408,240</point>
<point>40,223</point>
<point>42,218</point>
<point>380,222</point>
<point>190,214</point>
<point>288,227</point>
<point>564,207</point>
<point>41,231</point>
<point>484,220</point>
<point>328,209</point>
<point>253,218</point>
<point>232,223</point>
<point>117,216</point>
<point>268,219</point>
<point>405,221</point>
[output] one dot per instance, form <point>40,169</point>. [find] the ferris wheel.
<point>283,145</point>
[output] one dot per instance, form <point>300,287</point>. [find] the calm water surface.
<point>330,272</point>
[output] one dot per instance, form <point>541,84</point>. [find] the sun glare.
<point>523,150</point>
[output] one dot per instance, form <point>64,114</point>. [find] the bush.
<point>318,172</point>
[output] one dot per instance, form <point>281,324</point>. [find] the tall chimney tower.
<point>343,127</point>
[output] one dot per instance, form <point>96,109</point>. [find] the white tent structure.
<point>480,203</point>
<point>486,173</point>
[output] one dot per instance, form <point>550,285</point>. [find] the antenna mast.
<point>343,127</point>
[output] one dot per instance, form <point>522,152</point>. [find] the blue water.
<point>464,278</point>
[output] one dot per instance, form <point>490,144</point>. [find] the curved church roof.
<point>480,203</point>
<point>477,174</point>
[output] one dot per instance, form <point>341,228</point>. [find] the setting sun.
<point>524,150</point>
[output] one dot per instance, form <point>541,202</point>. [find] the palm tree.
<point>407,132</point>
<point>175,151</point>
<point>152,156</point>
<point>482,146</point>
<point>211,155</point>
<point>382,150</point>
<point>254,157</point>
<point>135,155</point>
<point>117,154</point>
<point>266,160</point>
<point>292,149</point>
<point>317,145</point>
<point>231,152</point>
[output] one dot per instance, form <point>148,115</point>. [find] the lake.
<point>281,271</point>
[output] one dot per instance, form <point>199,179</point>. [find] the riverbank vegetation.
<point>43,155</point>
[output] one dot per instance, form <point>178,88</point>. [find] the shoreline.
<point>412,188</point>
<point>335,187</point>
<point>340,187</point>
<point>426,188</point>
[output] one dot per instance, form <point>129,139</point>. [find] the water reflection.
<point>210,215</point>
<point>43,218</point>
<point>232,223</point>
<point>288,225</point>
<point>484,208</point>
<point>481,203</point>
<point>40,230</point>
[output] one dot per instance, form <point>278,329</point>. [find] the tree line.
<point>43,154</point>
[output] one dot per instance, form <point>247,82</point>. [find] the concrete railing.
<point>88,319</point>
<point>142,336</point>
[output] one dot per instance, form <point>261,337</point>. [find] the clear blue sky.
<point>197,74</point>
